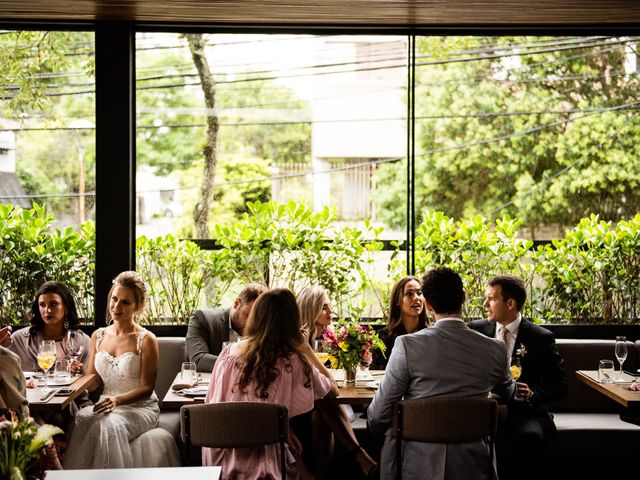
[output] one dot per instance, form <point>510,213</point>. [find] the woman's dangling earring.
<point>66,324</point>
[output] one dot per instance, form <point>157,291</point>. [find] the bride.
<point>125,357</point>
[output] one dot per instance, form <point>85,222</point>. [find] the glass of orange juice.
<point>320,351</point>
<point>516,368</point>
<point>46,359</point>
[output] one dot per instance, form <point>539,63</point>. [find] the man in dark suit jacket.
<point>526,437</point>
<point>209,329</point>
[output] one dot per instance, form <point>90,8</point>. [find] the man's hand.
<point>5,336</point>
<point>523,392</point>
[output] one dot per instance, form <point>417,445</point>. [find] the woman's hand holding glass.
<point>75,347</point>
<point>320,351</point>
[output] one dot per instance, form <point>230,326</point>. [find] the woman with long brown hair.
<point>407,314</point>
<point>273,363</point>
<point>53,314</point>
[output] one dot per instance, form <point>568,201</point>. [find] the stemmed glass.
<point>516,368</point>
<point>75,345</point>
<point>320,350</point>
<point>621,353</point>
<point>46,359</point>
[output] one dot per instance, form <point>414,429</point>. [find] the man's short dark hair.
<point>251,292</point>
<point>442,288</point>
<point>512,287</point>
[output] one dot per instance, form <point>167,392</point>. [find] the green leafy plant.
<point>178,272</point>
<point>288,245</point>
<point>32,252</point>
<point>476,249</point>
<point>593,274</point>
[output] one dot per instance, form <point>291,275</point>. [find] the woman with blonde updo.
<point>125,357</point>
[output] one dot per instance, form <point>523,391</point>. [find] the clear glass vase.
<point>350,375</point>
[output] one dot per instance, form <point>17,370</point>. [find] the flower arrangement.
<point>349,344</point>
<point>22,445</point>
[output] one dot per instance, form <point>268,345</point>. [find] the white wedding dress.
<point>126,437</point>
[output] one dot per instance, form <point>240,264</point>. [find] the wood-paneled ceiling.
<point>392,13</point>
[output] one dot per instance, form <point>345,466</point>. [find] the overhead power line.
<point>628,106</point>
<point>461,146</point>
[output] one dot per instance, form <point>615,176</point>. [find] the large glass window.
<point>284,157</point>
<point>227,120</point>
<point>47,167</point>
<point>532,138</point>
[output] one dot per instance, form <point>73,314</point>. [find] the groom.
<point>527,436</point>
<point>446,359</point>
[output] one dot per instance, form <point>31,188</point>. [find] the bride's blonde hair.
<point>133,281</point>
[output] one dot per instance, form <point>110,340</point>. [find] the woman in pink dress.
<point>274,363</point>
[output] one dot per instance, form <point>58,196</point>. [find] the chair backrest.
<point>235,425</point>
<point>445,420</point>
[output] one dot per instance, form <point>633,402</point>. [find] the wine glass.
<point>46,359</point>
<point>75,345</point>
<point>621,353</point>
<point>516,368</point>
<point>320,351</point>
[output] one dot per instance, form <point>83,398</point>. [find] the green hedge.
<point>590,276</point>
<point>31,252</point>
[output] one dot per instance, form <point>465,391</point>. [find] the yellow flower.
<point>343,346</point>
<point>334,361</point>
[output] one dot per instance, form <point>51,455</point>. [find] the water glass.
<point>61,373</point>
<point>606,373</point>
<point>188,372</point>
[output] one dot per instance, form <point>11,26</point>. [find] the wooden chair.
<point>235,425</point>
<point>445,420</point>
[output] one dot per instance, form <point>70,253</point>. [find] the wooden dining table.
<point>359,393</point>
<point>174,399</point>
<point>618,391</point>
<point>52,402</point>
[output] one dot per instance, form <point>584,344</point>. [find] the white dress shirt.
<point>512,333</point>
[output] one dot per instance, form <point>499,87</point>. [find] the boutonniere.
<point>521,351</point>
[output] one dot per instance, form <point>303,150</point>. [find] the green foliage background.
<point>545,133</point>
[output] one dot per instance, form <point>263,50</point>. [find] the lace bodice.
<point>122,372</point>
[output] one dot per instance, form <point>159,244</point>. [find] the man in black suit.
<point>527,435</point>
<point>209,329</point>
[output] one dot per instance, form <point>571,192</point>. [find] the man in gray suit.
<point>209,329</point>
<point>446,359</point>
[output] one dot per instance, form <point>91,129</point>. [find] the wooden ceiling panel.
<point>400,13</point>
